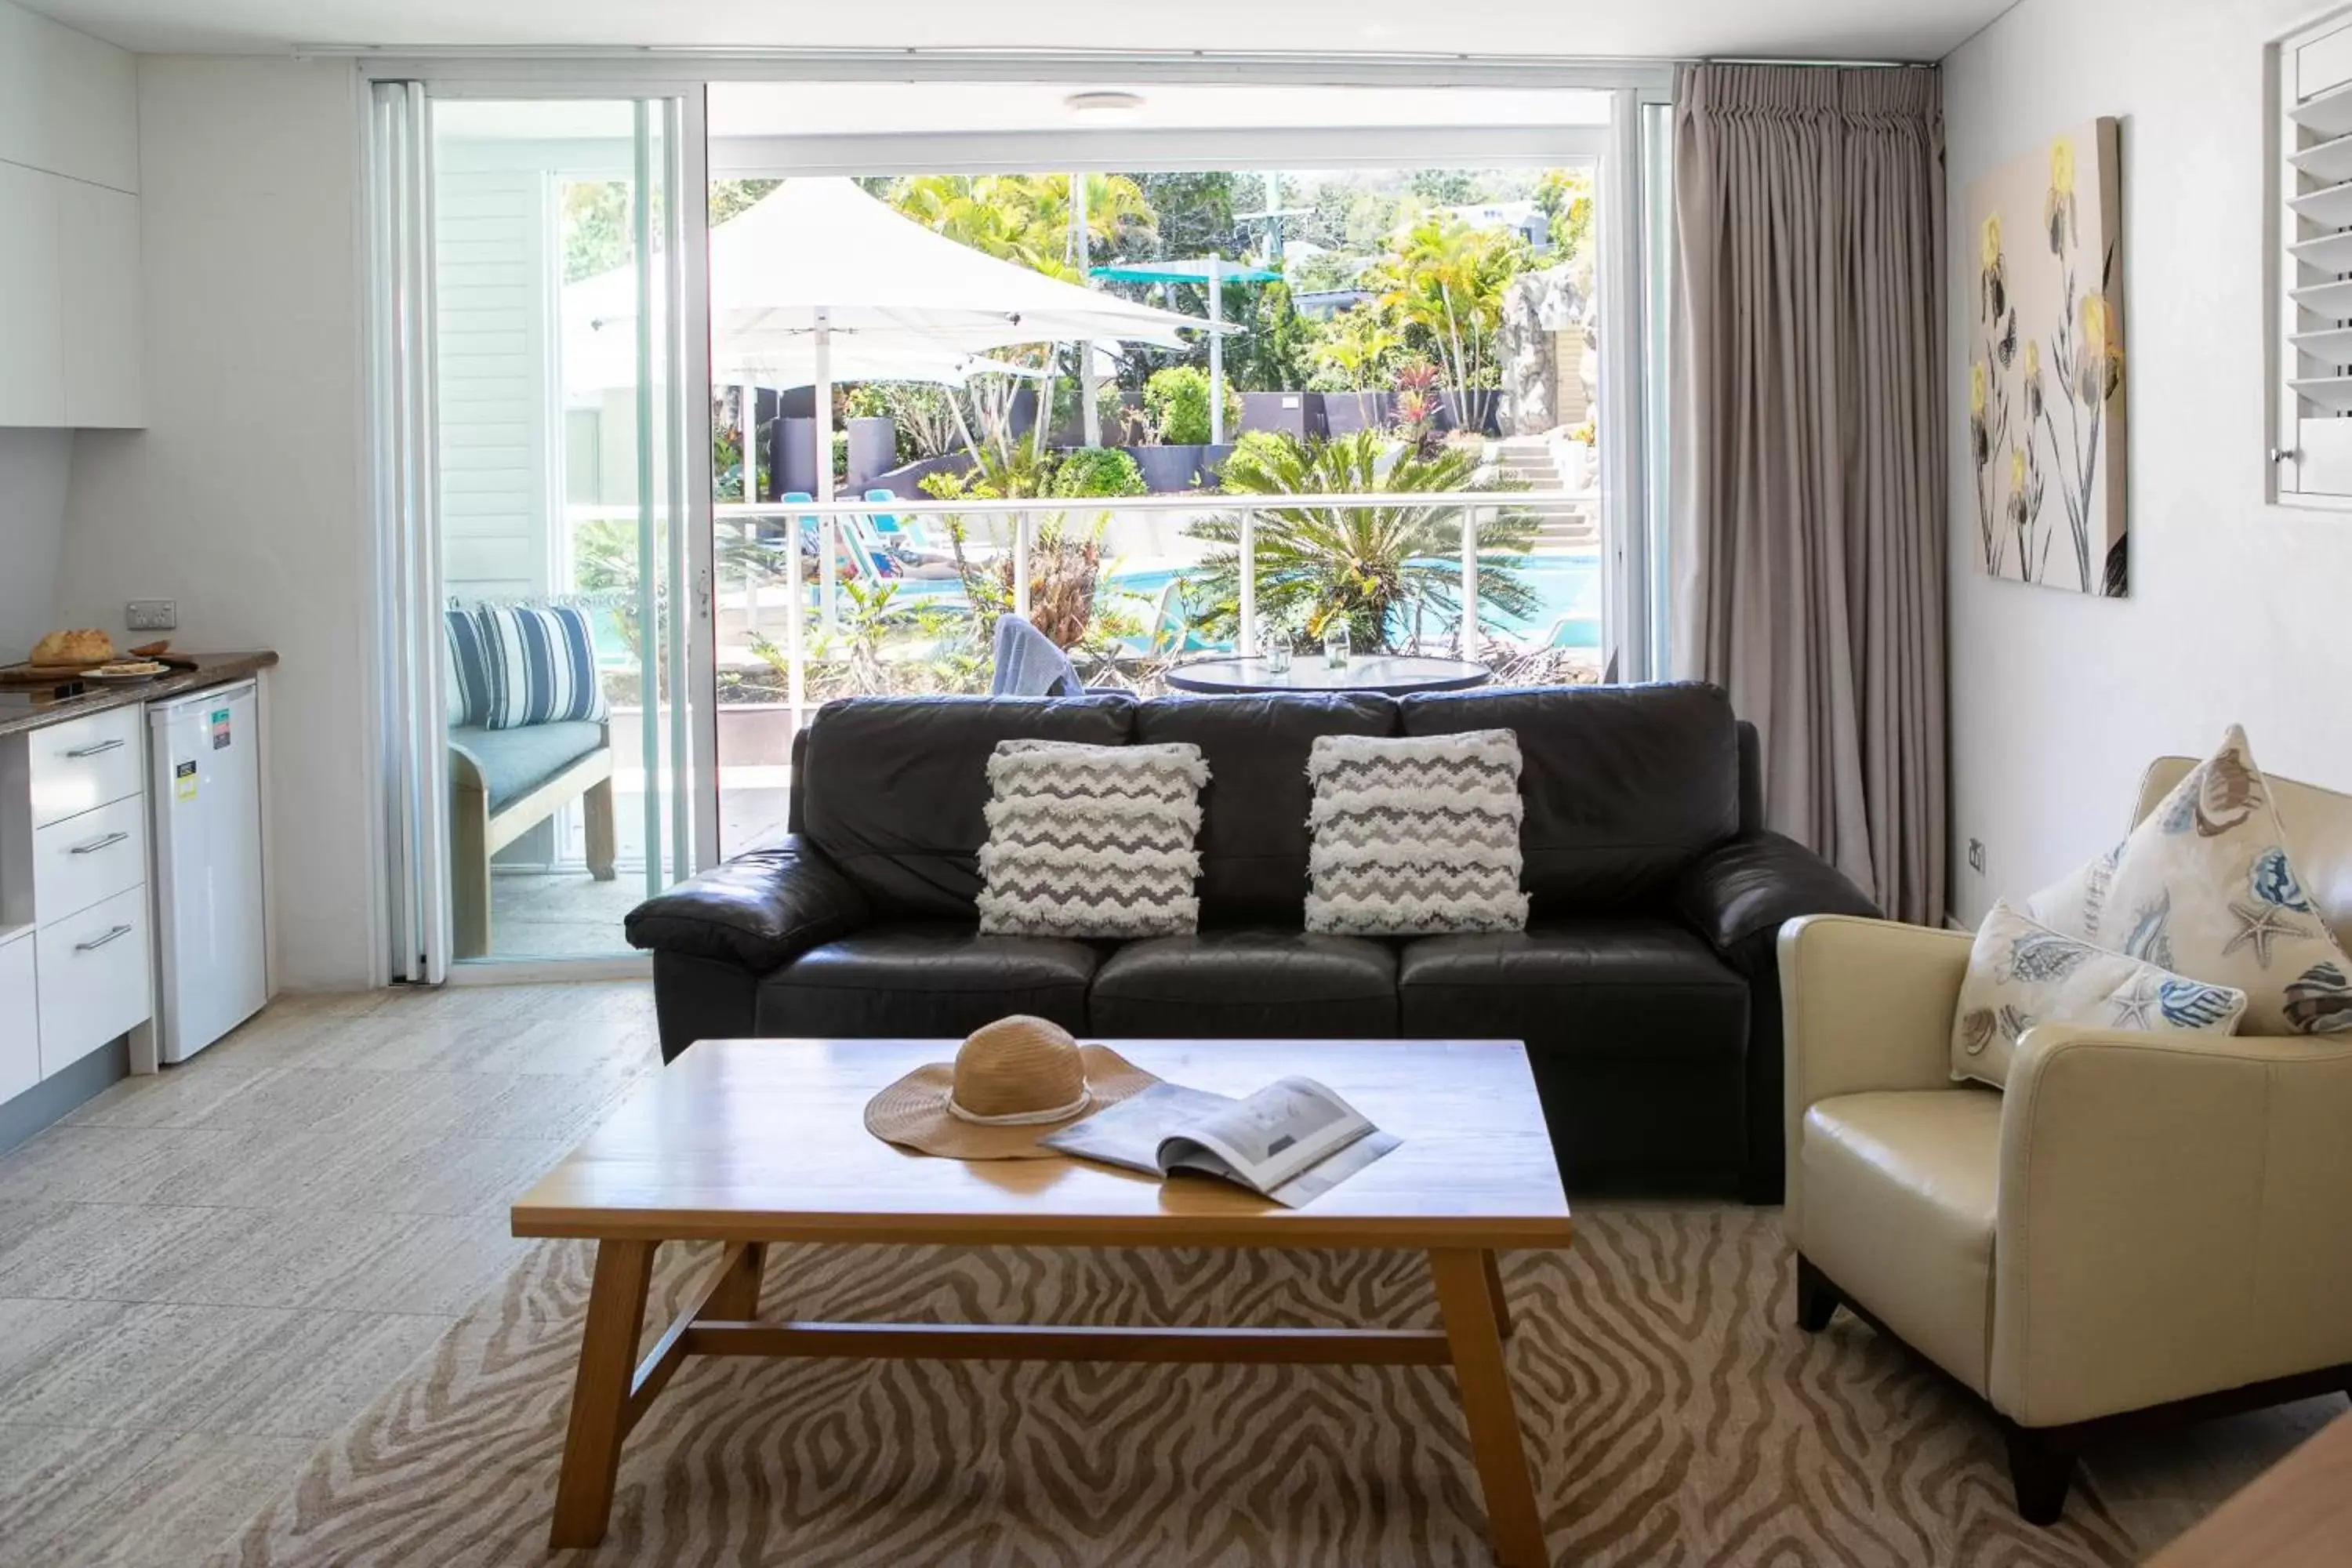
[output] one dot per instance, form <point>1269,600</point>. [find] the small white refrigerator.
<point>212,961</point>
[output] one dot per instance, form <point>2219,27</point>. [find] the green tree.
<point>1026,218</point>
<point>1445,279</point>
<point>1385,570</point>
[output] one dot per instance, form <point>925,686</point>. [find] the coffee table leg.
<point>600,1391</point>
<point>736,1298</point>
<point>1473,1316</point>
<point>1495,1292</point>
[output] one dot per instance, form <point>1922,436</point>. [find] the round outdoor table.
<point>1395,674</point>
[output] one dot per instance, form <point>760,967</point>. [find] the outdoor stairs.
<point>1561,525</point>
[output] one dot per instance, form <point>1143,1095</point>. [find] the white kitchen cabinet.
<point>71,276</point>
<point>93,977</point>
<point>20,1015</point>
<point>101,320</point>
<point>32,287</point>
<point>68,103</point>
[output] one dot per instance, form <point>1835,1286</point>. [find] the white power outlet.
<point>152,616</point>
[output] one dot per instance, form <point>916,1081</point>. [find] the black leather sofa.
<point>1645,986</point>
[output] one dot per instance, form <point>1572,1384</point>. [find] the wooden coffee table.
<point>753,1143</point>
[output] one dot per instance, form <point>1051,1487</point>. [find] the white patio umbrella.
<point>817,258</point>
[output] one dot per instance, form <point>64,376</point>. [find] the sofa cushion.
<point>513,763</point>
<point>1415,834</point>
<point>894,789</point>
<point>926,978</point>
<point>1624,786</point>
<point>1254,838</point>
<point>2022,973</point>
<point>1627,984</point>
<point>1091,841</point>
<point>1243,981</point>
<point>2205,886</point>
<point>1899,1207</point>
<point>541,661</point>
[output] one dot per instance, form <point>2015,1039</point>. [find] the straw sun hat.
<point>1012,1082</point>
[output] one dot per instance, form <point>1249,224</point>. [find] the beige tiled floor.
<point>204,1272</point>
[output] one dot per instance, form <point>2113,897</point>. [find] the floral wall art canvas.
<point>2045,367</point>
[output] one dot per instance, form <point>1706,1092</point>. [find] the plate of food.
<point>126,672</point>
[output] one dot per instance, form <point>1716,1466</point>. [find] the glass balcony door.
<point>554,654</point>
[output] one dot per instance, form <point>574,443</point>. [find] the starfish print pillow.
<point>2205,887</point>
<point>2022,973</point>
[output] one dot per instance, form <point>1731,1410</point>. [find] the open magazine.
<point>1292,1140</point>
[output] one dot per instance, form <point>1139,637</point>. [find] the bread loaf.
<point>85,645</point>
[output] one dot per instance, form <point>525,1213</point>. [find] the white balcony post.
<point>1466,644</point>
<point>1024,535</point>
<point>1246,635</point>
<point>795,625</point>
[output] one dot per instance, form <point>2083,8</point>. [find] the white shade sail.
<point>895,294</point>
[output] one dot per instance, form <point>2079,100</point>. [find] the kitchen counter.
<point>17,714</point>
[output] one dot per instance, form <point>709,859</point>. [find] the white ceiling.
<point>1845,29</point>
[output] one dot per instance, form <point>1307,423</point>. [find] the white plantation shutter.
<point>2312,428</point>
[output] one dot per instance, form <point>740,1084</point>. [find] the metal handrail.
<point>1271,501</point>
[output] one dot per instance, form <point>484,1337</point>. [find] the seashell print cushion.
<point>2022,973</point>
<point>2205,886</point>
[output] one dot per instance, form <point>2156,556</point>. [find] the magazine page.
<point>1129,1133</point>
<point>1270,1137</point>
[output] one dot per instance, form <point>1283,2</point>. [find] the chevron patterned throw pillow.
<point>1415,837</point>
<point>1091,841</point>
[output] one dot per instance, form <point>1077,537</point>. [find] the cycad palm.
<point>1385,570</point>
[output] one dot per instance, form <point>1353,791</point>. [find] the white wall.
<point>33,468</point>
<point>2238,609</point>
<point>242,500</point>
<point>492,235</point>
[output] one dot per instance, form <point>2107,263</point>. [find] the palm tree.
<point>1381,570</point>
<point>1358,346</point>
<point>1026,218</point>
<point>1449,279</point>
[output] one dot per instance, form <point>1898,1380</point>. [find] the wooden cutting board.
<point>59,674</point>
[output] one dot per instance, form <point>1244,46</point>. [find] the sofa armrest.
<point>758,911</point>
<point>1866,1004</point>
<point>2170,1218</point>
<point>1737,896</point>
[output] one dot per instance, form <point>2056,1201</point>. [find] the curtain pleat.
<point>1806,547</point>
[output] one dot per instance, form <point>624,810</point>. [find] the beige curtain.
<point>1806,547</point>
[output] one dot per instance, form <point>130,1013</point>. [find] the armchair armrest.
<point>1737,896</point>
<point>758,911</point>
<point>2170,1220</point>
<point>1866,1005</point>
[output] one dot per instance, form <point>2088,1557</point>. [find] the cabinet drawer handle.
<point>95,844</point>
<point>98,942</point>
<point>99,750</point>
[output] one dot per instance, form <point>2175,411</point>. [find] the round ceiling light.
<point>1103,106</point>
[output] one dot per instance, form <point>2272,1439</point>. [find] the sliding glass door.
<point>551,639</point>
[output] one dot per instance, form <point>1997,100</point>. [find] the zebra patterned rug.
<point>1673,1413</point>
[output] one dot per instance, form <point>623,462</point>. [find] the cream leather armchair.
<point>2141,1226</point>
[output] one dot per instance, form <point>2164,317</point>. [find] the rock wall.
<point>1539,310</point>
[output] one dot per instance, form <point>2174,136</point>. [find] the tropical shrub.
<point>1098,471</point>
<point>1260,446</point>
<point>1177,399</point>
<point>1388,572</point>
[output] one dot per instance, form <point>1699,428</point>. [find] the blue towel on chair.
<point>1029,665</point>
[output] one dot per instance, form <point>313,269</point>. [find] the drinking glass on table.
<point>1275,648</point>
<point>1336,648</point>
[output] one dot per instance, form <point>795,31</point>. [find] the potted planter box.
<point>1167,469</point>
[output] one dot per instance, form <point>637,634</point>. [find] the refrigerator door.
<point>206,802</point>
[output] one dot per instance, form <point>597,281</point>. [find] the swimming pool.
<point>1568,590</point>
